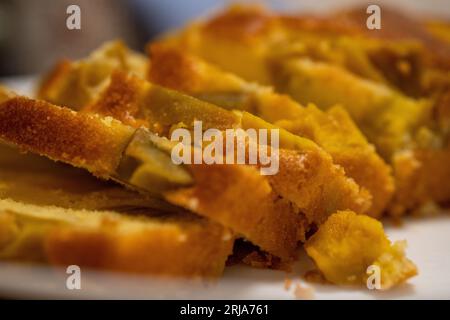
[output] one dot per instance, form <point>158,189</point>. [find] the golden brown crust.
<point>82,140</point>
<point>320,25</point>
<point>246,22</point>
<point>173,69</point>
<point>137,102</point>
<point>239,23</point>
<point>120,100</point>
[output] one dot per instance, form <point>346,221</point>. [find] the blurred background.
<point>33,33</point>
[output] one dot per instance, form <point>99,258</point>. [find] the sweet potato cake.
<point>276,212</point>
<point>317,61</point>
<point>99,144</point>
<point>212,195</point>
<point>348,147</point>
<point>304,167</point>
<point>332,130</point>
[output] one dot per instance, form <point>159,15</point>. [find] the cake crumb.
<point>300,291</point>
<point>303,292</point>
<point>287,283</point>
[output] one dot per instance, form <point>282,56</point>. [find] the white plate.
<point>428,246</point>
<point>428,240</point>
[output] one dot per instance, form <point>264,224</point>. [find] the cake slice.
<point>86,141</point>
<point>282,60</point>
<point>36,180</point>
<point>405,130</point>
<point>388,118</point>
<point>411,53</point>
<point>171,246</point>
<point>404,55</point>
<point>307,176</point>
<point>362,165</point>
<point>53,213</point>
<point>73,84</point>
<point>318,61</point>
<point>333,130</point>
